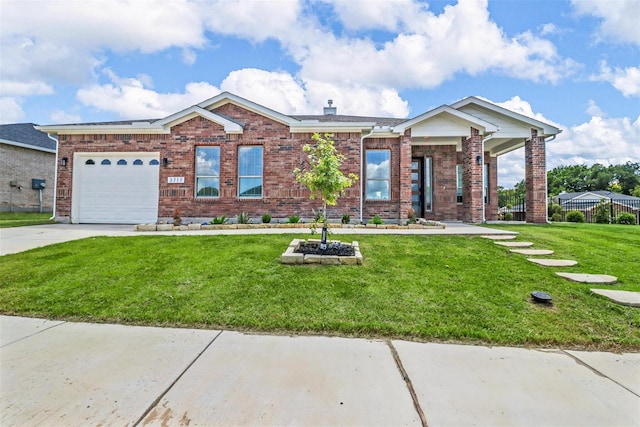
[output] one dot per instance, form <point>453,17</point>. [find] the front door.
<point>417,186</point>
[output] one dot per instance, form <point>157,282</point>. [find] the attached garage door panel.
<point>120,189</point>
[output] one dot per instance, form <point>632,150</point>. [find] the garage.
<point>115,188</point>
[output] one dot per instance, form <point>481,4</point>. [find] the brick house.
<point>26,154</point>
<point>229,155</point>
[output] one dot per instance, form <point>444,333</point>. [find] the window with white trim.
<point>207,171</point>
<point>428,184</point>
<point>250,172</point>
<point>458,183</point>
<point>378,172</point>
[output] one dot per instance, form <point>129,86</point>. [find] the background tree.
<point>323,177</point>
<point>577,178</point>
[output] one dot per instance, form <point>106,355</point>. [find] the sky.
<point>572,63</point>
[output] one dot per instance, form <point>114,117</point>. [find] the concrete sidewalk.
<point>18,239</point>
<point>76,374</point>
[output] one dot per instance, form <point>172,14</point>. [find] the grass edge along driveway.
<point>435,288</point>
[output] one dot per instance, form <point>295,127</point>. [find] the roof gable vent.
<point>330,111</point>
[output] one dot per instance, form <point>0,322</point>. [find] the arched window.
<point>105,162</point>
<point>137,162</point>
<point>90,162</point>
<point>122,162</point>
<point>154,162</point>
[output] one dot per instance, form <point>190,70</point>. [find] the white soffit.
<point>194,111</point>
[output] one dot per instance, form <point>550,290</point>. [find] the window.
<point>428,187</point>
<point>459,183</point>
<point>137,162</point>
<point>154,162</point>
<point>378,171</point>
<point>122,162</point>
<point>207,171</point>
<point>250,172</point>
<point>90,162</point>
<point>105,162</point>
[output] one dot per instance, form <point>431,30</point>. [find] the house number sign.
<point>175,180</point>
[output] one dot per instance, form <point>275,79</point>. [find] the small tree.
<point>323,176</point>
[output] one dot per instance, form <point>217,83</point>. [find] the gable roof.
<point>27,136</point>
<point>445,110</point>
<point>597,194</point>
<point>546,128</point>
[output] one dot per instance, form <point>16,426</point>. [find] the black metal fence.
<point>511,207</point>
<point>604,211</point>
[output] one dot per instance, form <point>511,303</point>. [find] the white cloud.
<point>132,99</point>
<point>12,111</point>
<point>619,18</point>
<point>24,88</point>
<point>594,109</point>
<point>59,116</point>
<point>626,80</point>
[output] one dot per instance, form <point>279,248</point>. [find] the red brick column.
<point>405,176</point>
<point>472,184</point>
<point>535,179</point>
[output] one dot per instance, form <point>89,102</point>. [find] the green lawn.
<point>440,288</point>
<point>20,219</point>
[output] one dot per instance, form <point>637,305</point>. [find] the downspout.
<point>55,178</point>
<point>362,138</point>
<point>484,207</point>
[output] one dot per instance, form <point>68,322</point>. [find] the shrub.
<point>411,213</point>
<point>626,218</point>
<point>601,214</point>
<point>243,218</point>
<point>266,218</point>
<point>575,216</point>
<point>219,219</point>
<point>376,220</point>
<point>556,217</point>
<point>294,219</point>
<point>554,208</point>
<point>346,219</point>
<point>508,216</point>
<point>177,219</point>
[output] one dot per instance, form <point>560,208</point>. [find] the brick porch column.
<point>472,184</point>
<point>535,179</point>
<point>405,176</point>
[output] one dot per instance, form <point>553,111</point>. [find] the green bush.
<point>346,219</point>
<point>554,208</point>
<point>508,216</point>
<point>556,217</point>
<point>601,214</point>
<point>626,218</point>
<point>243,218</point>
<point>294,219</point>
<point>219,220</point>
<point>376,220</point>
<point>266,218</point>
<point>575,216</point>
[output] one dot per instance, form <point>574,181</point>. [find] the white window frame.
<point>387,179</point>
<point>197,177</point>
<point>261,177</point>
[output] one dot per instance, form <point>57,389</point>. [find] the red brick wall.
<point>472,190</point>
<point>535,179</point>
<point>444,160</point>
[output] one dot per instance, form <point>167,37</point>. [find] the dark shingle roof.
<point>380,121</point>
<point>603,193</point>
<point>25,133</point>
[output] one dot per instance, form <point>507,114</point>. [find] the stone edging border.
<point>291,257</point>
<point>171,227</point>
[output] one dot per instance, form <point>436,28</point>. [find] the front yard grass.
<point>20,219</point>
<point>436,288</point>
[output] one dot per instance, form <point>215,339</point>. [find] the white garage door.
<point>116,188</point>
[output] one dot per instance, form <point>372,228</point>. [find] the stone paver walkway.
<point>532,251</point>
<point>553,262</point>
<point>515,244</point>
<point>589,278</point>
<point>629,298</point>
<point>501,237</point>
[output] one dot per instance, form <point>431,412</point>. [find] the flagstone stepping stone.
<point>553,262</point>
<point>629,298</point>
<point>515,244</point>
<point>589,278</point>
<point>501,237</point>
<point>532,251</point>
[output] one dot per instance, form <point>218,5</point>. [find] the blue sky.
<point>573,63</point>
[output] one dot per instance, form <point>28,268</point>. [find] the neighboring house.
<point>586,202</point>
<point>26,154</point>
<point>229,155</point>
